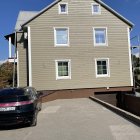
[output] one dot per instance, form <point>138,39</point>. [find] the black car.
<point>19,105</point>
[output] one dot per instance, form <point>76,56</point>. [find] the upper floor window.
<point>96,9</point>
<point>102,67</point>
<point>63,8</point>
<point>61,36</point>
<point>63,69</point>
<point>100,36</point>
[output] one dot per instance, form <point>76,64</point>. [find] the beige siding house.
<point>74,45</point>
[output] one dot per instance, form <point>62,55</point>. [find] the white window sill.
<point>97,13</point>
<point>62,45</point>
<point>102,76</point>
<point>63,13</point>
<point>63,78</point>
<point>98,45</point>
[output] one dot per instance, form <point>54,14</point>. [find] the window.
<point>96,9</point>
<point>63,8</point>
<point>100,36</point>
<point>102,67</point>
<point>63,69</point>
<point>61,36</point>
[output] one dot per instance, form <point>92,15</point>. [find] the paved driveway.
<point>75,119</point>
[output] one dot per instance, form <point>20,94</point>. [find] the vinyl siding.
<point>22,60</point>
<point>81,51</point>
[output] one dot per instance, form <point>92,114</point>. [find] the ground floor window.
<point>102,67</point>
<point>63,69</point>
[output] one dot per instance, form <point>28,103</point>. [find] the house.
<point>73,48</point>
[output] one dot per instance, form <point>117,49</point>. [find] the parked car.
<point>19,105</point>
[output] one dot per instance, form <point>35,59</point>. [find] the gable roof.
<point>98,1</point>
<point>24,16</point>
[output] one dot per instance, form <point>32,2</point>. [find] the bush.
<point>6,75</point>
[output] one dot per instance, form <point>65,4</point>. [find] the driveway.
<point>75,119</point>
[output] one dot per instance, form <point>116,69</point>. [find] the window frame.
<point>59,8</point>
<point>106,36</point>
<point>69,69</point>
<point>108,67</point>
<point>92,7</point>
<point>55,37</point>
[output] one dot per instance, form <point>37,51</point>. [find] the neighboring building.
<point>2,61</point>
<point>74,44</point>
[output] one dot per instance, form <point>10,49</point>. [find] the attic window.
<point>96,9</point>
<point>63,8</point>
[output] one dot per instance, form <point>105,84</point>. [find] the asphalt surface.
<point>75,119</point>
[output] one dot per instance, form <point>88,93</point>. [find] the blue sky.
<point>9,10</point>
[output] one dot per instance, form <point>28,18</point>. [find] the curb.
<point>131,117</point>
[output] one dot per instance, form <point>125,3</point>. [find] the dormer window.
<point>96,9</point>
<point>63,8</point>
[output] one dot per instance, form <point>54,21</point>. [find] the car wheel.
<point>40,107</point>
<point>34,120</point>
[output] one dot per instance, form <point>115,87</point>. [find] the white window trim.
<point>69,69</point>
<point>96,13</point>
<point>55,40</point>
<point>108,67</point>
<point>59,8</point>
<point>94,40</point>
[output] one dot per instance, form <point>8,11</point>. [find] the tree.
<point>136,61</point>
<point>136,70</point>
<point>6,75</point>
